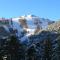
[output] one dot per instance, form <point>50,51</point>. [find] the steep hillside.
<point>54,26</point>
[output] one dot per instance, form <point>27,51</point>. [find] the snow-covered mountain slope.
<point>30,23</point>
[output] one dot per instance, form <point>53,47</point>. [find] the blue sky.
<point>42,8</point>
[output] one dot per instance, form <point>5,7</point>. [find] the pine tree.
<point>47,49</point>
<point>57,55</point>
<point>14,48</point>
<point>31,53</point>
